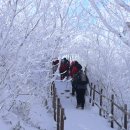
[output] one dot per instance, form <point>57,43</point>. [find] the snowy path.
<point>78,119</point>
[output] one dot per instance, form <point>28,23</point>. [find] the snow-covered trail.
<point>78,119</point>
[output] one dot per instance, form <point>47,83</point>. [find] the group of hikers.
<point>79,79</point>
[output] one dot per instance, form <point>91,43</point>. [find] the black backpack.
<point>76,77</point>
<point>81,78</point>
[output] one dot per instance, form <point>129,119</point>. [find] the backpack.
<point>76,77</point>
<point>81,78</point>
<point>84,79</point>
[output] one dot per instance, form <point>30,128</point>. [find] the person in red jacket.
<point>74,69</point>
<point>55,65</point>
<point>64,68</point>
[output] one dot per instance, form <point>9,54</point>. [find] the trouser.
<point>73,87</point>
<point>80,97</point>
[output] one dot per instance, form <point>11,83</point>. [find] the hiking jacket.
<point>73,71</point>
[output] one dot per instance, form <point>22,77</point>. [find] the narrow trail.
<point>78,119</point>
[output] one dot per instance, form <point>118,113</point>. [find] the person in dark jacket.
<point>81,81</point>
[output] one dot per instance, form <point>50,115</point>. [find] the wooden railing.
<point>113,106</point>
<point>59,114</point>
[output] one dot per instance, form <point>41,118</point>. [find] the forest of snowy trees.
<point>33,32</point>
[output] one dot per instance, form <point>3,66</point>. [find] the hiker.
<point>81,81</point>
<point>78,65</point>
<point>74,68</point>
<point>55,65</point>
<point>64,68</point>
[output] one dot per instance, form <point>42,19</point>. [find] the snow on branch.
<point>110,28</point>
<point>123,4</point>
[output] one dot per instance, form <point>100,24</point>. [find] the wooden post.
<point>62,119</point>
<point>54,103</point>
<point>52,89</point>
<point>90,93</point>
<point>125,117</point>
<point>53,98</point>
<point>112,110</point>
<point>100,110</point>
<point>54,95</point>
<point>58,113</point>
<point>93,95</point>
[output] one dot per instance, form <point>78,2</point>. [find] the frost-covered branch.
<point>110,28</point>
<point>123,4</point>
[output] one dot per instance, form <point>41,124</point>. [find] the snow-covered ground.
<point>38,118</point>
<point>78,119</point>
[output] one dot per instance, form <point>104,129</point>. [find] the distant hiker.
<point>74,68</point>
<point>55,65</point>
<point>81,81</point>
<point>64,68</point>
